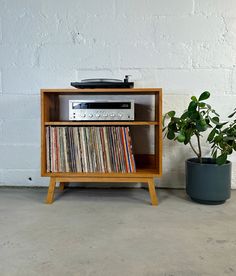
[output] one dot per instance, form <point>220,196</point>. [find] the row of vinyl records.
<point>89,149</point>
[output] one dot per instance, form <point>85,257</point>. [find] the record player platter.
<point>101,80</point>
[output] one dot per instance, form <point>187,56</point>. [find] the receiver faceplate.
<point>88,110</point>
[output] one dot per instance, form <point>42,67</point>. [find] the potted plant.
<point>208,180</point>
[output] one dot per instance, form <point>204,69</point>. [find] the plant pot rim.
<point>208,162</point>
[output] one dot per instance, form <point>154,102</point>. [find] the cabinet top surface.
<point>102,90</point>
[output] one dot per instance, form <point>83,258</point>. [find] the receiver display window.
<point>117,105</point>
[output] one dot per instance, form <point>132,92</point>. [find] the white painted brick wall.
<point>23,177</point>
<point>0,30</point>
<point>13,132</point>
<point>215,7</point>
<point>234,82</point>
<point>18,156</point>
<point>194,80</point>
<point>19,107</point>
<point>189,28</point>
<point>183,46</point>
<point>154,7</point>
<point>163,55</point>
<point>0,82</point>
<point>220,54</point>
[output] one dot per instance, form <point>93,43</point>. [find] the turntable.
<point>103,83</point>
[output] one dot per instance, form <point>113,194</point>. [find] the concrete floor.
<point>114,232</point>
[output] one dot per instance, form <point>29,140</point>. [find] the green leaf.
<point>175,119</point>
<point>201,105</point>
<point>218,138</point>
<point>163,120</point>
<point>229,138</point>
<point>200,127</point>
<point>194,115</point>
<point>213,111</point>
<point>193,98</point>
<point>181,138</point>
<point>220,160</point>
<point>170,134</point>
<point>231,115</point>
<point>192,107</point>
<point>172,126</point>
<point>214,155</point>
<point>203,122</point>
<point>171,113</point>
<point>215,120</point>
<point>211,135</point>
<point>219,125</point>
<point>188,133</point>
<point>205,95</point>
<point>184,115</point>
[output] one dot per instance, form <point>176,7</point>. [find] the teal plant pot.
<point>207,182</point>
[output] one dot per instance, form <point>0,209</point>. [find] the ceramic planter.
<point>207,182</point>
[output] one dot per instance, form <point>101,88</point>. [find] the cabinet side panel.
<point>49,112</point>
<point>43,138</point>
<point>158,133</point>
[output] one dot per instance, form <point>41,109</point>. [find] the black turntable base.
<point>103,83</point>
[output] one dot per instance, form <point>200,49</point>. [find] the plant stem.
<point>199,148</point>
<point>193,149</point>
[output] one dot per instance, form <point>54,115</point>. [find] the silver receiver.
<point>82,110</point>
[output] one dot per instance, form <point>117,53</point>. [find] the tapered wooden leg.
<point>51,190</point>
<point>152,191</point>
<point>62,186</point>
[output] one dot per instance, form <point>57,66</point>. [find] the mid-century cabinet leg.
<point>152,191</point>
<point>51,190</point>
<point>52,186</point>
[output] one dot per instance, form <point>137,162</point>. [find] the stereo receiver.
<point>91,110</point>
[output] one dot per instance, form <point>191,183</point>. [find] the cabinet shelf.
<point>139,173</point>
<point>71,91</point>
<point>102,123</point>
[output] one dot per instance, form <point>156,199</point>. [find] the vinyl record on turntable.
<point>101,80</point>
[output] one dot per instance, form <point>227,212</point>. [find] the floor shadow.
<point>140,195</point>
<point>108,194</point>
<point>166,193</point>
